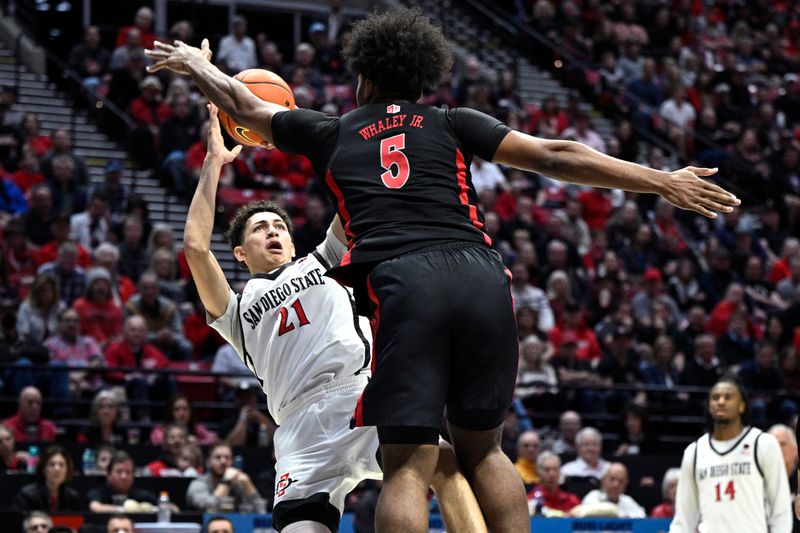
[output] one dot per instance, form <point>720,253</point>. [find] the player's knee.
<point>473,447</point>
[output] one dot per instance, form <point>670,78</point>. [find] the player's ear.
<point>238,253</point>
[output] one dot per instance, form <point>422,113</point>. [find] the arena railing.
<point>675,423</point>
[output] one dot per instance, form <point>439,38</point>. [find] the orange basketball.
<point>269,87</point>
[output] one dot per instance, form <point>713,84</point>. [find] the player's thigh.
<point>485,350</point>
<point>412,345</point>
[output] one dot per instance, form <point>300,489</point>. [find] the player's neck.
<point>727,431</point>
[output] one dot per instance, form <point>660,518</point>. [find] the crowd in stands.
<point>621,300</point>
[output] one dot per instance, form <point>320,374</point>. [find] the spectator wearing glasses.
<point>528,446</point>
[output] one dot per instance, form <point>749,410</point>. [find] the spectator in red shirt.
<point>144,23</point>
<point>547,498</point>
<point>149,112</point>
<point>135,352</point>
<point>669,488</point>
<point>721,315</point>
<point>60,230</point>
<point>101,317</point>
<point>175,437</point>
<point>39,143</point>
<point>27,174</point>
<point>28,425</point>
<point>107,256</point>
<point>573,328</point>
<point>17,258</point>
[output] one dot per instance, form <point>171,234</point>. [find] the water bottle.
<point>33,459</point>
<point>263,436</point>
<point>164,508</point>
<point>238,462</point>
<point>87,459</point>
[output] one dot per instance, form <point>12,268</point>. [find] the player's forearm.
<point>574,162</point>
<point>232,96</point>
<point>227,93</point>
<point>200,220</point>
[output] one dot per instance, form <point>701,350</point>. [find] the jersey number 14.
<point>286,326</point>
<point>728,491</point>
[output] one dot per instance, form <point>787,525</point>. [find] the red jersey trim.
<point>343,213</point>
<point>463,196</point>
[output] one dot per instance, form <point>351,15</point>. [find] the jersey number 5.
<point>286,326</point>
<point>729,491</point>
<point>392,155</point>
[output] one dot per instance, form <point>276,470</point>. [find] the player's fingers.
<point>206,47</point>
<point>723,198</point>
<point>698,171</point>
<point>716,206</point>
<point>158,45</point>
<point>699,208</point>
<point>722,193</point>
<point>155,67</point>
<point>212,110</point>
<point>236,150</point>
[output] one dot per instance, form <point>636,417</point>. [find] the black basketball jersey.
<point>398,174</point>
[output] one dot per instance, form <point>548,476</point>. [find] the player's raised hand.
<point>216,145</point>
<point>686,189</point>
<point>176,56</point>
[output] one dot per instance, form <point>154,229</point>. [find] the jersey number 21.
<point>287,325</point>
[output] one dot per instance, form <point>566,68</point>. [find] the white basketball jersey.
<point>297,329</point>
<point>730,486</point>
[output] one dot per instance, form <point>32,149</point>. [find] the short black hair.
<point>235,233</point>
<point>119,456</point>
<point>219,517</point>
<point>400,51</point>
<point>731,378</point>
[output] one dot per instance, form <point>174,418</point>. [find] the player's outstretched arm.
<point>577,163</point>
<point>229,94</point>
<point>208,276</point>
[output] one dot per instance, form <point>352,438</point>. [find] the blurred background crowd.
<point>627,309</point>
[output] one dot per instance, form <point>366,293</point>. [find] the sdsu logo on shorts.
<point>283,483</point>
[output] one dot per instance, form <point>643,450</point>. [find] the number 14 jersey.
<point>734,486</point>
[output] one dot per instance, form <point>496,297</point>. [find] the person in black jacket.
<point>52,490</point>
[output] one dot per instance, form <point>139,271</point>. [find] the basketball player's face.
<point>267,243</point>
<point>725,403</point>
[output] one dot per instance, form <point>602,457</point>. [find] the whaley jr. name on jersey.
<point>273,298</point>
<point>388,123</point>
<point>727,469</point>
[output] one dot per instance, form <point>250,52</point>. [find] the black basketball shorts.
<point>445,336</point>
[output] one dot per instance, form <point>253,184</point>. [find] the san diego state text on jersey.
<point>273,298</point>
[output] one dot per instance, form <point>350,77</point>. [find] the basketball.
<point>269,87</point>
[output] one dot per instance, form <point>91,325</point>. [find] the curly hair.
<point>235,233</point>
<point>399,51</point>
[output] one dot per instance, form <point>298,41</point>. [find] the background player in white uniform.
<point>298,332</point>
<point>733,478</point>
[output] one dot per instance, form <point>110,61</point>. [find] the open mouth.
<point>275,246</point>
